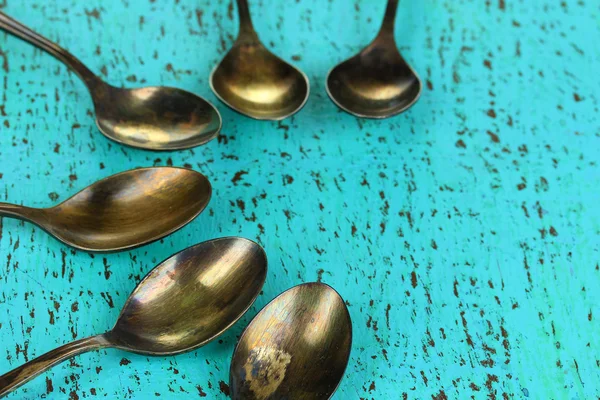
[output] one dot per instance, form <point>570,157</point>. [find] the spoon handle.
<point>387,27</point>
<point>18,376</point>
<point>20,212</point>
<point>28,35</point>
<point>246,27</point>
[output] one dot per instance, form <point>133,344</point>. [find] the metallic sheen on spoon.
<point>297,347</point>
<point>377,82</point>
<point>255,82</point>
<point>123,211</point>
<point>151,118</point>
<point>182,304</point>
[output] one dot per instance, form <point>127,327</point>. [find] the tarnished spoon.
<point>297,347</point>
<point>182,304</point>
<point>377,82</point>
<point>151,118</point>
<point>123,211</point>
<point>255,82</point>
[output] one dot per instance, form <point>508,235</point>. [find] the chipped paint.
<point>463,234</point>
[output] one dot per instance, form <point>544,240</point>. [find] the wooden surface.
<point>463,234</point>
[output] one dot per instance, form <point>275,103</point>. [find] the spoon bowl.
<point>377,82</point>
<point>151,118</point>
<point>297,347</point>
<point>192,297</point>
<point>160,118</point>
<point>182,304</point>
<point>255,82</point>
<point>123,211</point>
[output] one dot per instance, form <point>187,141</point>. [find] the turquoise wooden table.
<point>463,234</point>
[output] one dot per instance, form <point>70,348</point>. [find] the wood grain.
<point>464,234</point>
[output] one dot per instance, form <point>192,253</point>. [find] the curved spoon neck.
<point>21,375</point>
<point>385,38</point>
<point>247,35</point>
<point>249,38</point>
<point>247,31</point>
<point>23,32</point>
<point>387,27</point>
<point>20,212</point>
<point>85,74</point>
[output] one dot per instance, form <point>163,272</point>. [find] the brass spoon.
<point>377,82</point>
<point>123,211</point>
<point>182,304</point>
<point>255,82</point>
<point>151,118</point>
<point>297,347</point>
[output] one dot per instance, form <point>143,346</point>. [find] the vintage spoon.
<point>151,118</point>
<point>123,211</point>
<point>297,347</point>
<point>182,304</point>
<point>255,82</point>
<point>377,82</point>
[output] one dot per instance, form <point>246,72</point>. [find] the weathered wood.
<point>464,234</point>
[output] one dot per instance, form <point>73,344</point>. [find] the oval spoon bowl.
<point>255,82</point>
<point>129,209</point>
<point>297,347</point>
<point>377,82</point>
<point>153,118</point>
<point>123,211</point>
<point>374,86</point>
<point>182,304</point>
<point>177,308</point>
<point>156,118</point>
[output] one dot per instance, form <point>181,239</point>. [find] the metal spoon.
<point>151,118</point>
<point>255,82</point>
<point>377,82</point>
<point>123,211</point>
<point>182,304</point>
<point>297,347</point>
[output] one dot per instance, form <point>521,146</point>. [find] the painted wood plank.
<point>464,234</point>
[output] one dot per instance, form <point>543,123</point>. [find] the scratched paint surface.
<point>463,234</point>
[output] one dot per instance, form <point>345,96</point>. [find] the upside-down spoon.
<point>151,118</point>
<point>255,82</point>
<point>123,211</point>
<point>377,82</point>
<point>297,347</point>
<point>182,304</point>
